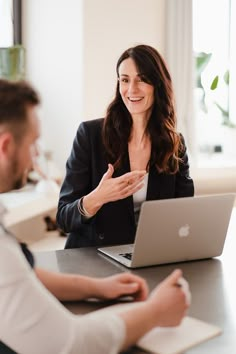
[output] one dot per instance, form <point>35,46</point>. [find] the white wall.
<point>72,49</point>
<point>110,27</point>
<point>52,35</point>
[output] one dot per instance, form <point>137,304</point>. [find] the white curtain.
<point>179,58</point>
<point>232,82</point>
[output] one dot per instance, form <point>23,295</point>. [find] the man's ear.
<point>6,144</point>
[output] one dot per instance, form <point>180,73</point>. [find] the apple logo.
<point>184,230</point>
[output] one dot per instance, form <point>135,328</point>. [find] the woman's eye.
<point>141,79</point>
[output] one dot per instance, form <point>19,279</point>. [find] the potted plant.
<point>12,63</point>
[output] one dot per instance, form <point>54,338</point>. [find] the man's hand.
<point>122,284</point>
<point>169,300</point>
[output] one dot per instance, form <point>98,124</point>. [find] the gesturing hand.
<point>111,189</point>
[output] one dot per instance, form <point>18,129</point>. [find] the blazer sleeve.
<point>76,183</point>
<point>184,184</point>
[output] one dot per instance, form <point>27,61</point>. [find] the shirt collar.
<point>3,211</point>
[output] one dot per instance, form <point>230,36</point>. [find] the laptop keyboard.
<point>126,255</point>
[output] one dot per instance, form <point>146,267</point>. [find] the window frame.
<point>17,22</point>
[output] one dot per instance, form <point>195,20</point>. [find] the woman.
<point>133,154</point>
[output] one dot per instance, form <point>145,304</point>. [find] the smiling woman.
<point>134,154</point>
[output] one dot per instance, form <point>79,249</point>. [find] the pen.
<point>183,284</point>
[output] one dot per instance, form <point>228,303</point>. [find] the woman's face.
<point>137,95</point>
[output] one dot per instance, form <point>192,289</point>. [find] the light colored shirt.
<point>32,320</point>
<point>141,194</point>
<point>139,197</point>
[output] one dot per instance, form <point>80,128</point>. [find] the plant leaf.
<point>226,77</point>
<point>224,112</point>
<point>202,59</point>
<point>214,83</point>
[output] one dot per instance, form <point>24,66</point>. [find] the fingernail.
<point>134,285</point>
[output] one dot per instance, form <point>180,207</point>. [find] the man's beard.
<point>13,180</point>
<point>20,181</point>
<point>18,184</point>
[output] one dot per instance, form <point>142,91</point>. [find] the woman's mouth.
<point>135,99</point>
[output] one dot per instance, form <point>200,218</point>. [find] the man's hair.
<point>15,98</point>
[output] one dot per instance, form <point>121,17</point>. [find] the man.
<point>32,320</point>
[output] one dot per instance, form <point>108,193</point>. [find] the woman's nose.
<point>133,86</point>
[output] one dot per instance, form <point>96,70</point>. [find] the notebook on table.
<point>176,340</point>
<point>177,230</point>
<point>172,340</point>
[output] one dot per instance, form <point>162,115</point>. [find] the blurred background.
<point>71,49</point>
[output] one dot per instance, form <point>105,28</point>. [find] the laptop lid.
<point>175,230</point>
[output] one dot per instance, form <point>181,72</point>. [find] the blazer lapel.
<point>128,202</point>
<point>154,184</point>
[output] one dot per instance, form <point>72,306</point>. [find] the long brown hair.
<point>161,126</point>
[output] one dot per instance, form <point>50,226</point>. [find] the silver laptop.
<point>177,230</point>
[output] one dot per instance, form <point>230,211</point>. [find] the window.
<point>215,129</point>
<point>10,22</point>
<point>6,23</point>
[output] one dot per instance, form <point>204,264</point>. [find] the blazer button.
<point>101,236</point>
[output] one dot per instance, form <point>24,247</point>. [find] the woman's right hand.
<point>111,189</point>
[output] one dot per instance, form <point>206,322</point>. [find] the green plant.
<point>12,63</point>
<point>202,60</point>
<point>224,111</point>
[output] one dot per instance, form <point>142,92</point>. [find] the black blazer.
<point>114,223</point>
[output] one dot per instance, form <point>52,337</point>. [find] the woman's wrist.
<point>82,209</point>
<point>90,203</point>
